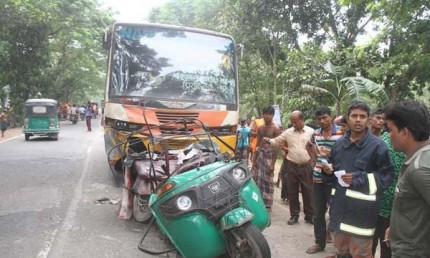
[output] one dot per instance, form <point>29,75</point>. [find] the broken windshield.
<point>170,64</point>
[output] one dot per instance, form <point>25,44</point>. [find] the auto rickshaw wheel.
<point>55,137</point>
<point>141,210</point>
<point>27,136</point>
<point>247,241</point>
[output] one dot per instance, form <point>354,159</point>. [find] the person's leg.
<point>319,219</point>
<point>245,154</point>
<point>293,190</point>
<point>283,176</point>
<point>377,235</point>
<point>327,197</point>
<point>385,249</point>
<point>361,247</point>
<point>86,122</point>
<point>320,208</point>
<point>341,244</point>
<point>306,184</point>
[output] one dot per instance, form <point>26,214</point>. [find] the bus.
<point>160,73</point>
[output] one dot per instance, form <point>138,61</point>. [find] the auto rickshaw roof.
<point>45,102</point>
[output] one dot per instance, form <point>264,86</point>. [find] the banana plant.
<point>346,89</point>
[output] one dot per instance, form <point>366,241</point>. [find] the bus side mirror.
<point>240,48</point>
<point>107,37</point>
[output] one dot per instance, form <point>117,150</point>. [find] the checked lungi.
<point>263,176</point>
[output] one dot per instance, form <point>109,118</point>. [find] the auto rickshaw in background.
<point>40,118</point>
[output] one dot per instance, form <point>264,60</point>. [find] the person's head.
<point>358,117</point>
<point>343,124</point>
<point>248,119</point>
<point>243,122</point>
<point>377,122</point>
<point>407,122</point>
<point>296,120</point>
<point>323,117</point>
<point>268,113</point>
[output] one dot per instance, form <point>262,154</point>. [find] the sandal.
<point>314,249</point>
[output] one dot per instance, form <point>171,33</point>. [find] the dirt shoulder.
<point>11,133</point>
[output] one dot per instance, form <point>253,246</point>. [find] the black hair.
<point>359,105</point>
<point>322,110</point>
<point>269,110</point>
<point>378,111</point>
<point>242,121</point>
<point>343,120</point>
<point>410,114</point>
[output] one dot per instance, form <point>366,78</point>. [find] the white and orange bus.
<point>160,73</point>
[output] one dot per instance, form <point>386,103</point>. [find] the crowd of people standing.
<point>369,170</point>
<point>88,110</point>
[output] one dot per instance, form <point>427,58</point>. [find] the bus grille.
<point>164,117</point>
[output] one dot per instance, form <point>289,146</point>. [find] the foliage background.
<point>52,48</point>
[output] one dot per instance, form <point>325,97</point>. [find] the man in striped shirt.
<point>323,140</point>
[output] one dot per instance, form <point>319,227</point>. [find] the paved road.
<point>48,208</point>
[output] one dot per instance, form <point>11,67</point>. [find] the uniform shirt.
<point>296,141</point>
<point>354,210</point>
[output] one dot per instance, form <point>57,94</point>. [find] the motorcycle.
<point>74,118</point>
<point>204,202</point>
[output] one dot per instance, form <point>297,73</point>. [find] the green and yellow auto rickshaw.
<point>41,118</point>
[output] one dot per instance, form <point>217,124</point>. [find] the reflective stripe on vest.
<point>372,183</point>
<point>333,191</point>
<point>360,196</point>
<point>357,230</point>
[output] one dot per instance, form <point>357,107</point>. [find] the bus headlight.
<point>184,203</point>
<point>239,173</point>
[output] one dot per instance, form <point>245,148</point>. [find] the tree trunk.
<point>275,71</point>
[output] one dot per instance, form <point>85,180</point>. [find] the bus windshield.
<point>172,65</point>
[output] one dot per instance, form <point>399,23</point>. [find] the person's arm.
<point>259,138</point>
<point>277,141</point>
<point>420,179</point>
<point>276,133</point>
<point>379,179</point>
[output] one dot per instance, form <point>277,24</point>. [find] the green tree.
<point>51,48</point>
<point>343,90</point>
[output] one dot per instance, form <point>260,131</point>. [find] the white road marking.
<point>11,138</point>
<point>69,220</point>
<point>47,245</point>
